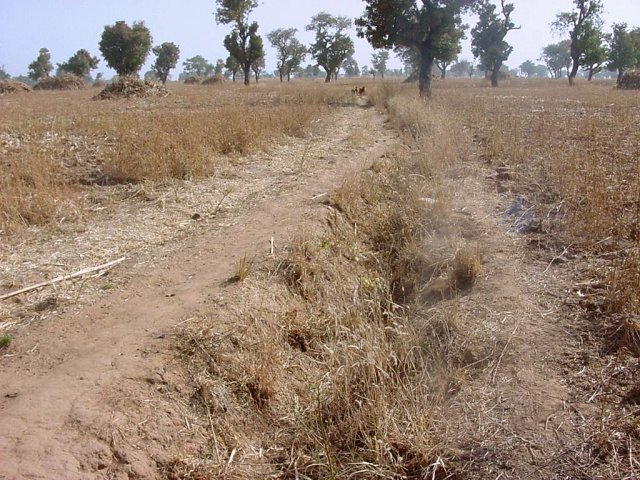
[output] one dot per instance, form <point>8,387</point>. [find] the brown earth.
<point>93,389</point>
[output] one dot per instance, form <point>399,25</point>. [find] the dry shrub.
<point>11,86</point>
<point>215,80</point>
<point>192,80</point>
<point>465,269</point>
<point>33,191</point>
<point>129,87</point>
<point>630,80</point>
<point>61,82</point>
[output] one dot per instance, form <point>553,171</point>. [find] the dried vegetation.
<point>573,156</point>
<point>55,145</point>
<point>327,366</point>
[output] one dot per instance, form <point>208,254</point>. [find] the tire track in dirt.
<point>52,397</point>
<point>516,418</point>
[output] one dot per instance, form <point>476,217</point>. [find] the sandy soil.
<point>78,385</point>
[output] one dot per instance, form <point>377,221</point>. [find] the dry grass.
<point>55,143</point>
<point>577,154</point>
<point>326,368</point>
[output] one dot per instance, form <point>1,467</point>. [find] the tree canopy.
<point>379,61</point>
<point>243,43</point>
<point>41,67</point>
<point>126,48</point>
<point>80,63</point>
<point>419,26</point>
<point>167,56</point>
<point>290,51</point>
<point>332,45</point>
<point>197,66</point>
<point>557,56</point>
<point>577,23</point>
<point>624,52</point>
<point>488,37</point>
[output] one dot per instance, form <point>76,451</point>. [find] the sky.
<point>65,26</point>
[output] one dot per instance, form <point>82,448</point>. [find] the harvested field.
<point>318,285</point>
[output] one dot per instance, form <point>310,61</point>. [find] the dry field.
<point>405,331</point>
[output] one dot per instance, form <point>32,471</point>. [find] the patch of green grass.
<point>5,341</point>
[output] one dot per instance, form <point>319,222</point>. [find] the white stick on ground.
<point>63,278</point>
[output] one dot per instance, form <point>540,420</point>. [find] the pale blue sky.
<point>64,26</point>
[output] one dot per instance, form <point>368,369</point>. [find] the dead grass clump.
<point>215,80</point>
<point>465,269</point>
<point>628,335</point>
<point>128,87</point>
<point>61,82</point>
<point>11,86</point>
<point>192,80</point>
<point>630,80</point>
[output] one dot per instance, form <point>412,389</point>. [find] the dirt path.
<point>56,420</point>
<point>517,419</point>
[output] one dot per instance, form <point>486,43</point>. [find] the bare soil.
<point>91,387</point>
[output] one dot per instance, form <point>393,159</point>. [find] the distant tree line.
<point>425,34</point>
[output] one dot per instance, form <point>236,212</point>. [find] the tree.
<point>219,68</point>
<point>528,68</point>
<point>351,67</point>
<point>488,36</point>
<point>576,23</point>
<point>298,53</point>
<point>3,74</point>
<point>448,48</point>
<point>463,68</point>
<point>379,61</point>
<point>257,68</point>
<point>126,48</point>
<point>332,46</point>
<point>197,66</point>
<point>594,51</point>
<point>167,56</point>
<point>243,43</point>
<point>557,56</point>
<point>41,67</point>
<point>291,52</point>
<point>232,66</point>
<point>623,51</point>
<point>80,64</point>
<point>418,26</point>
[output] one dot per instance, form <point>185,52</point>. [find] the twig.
<point>495,369</point>
<point>63,278</point>
<point>556,258</point>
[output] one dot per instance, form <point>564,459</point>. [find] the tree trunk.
<point>288,76</point>
<point>495,77</point>
<point>591,73</point>
<point>327,79</point>
<point>620,74</point>
<point>443,73</point>
<point>281,76</point>
<point>247,75</point>
<point>424,78</point>
<point>233,76</point>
